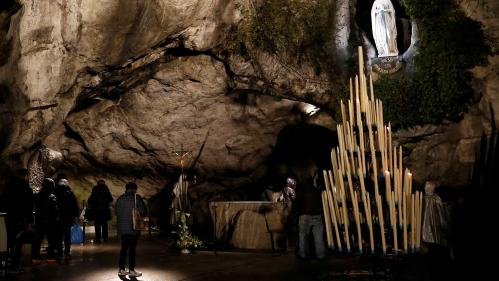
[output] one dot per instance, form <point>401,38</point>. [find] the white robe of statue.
<point>181,201</point>
<point>384,28</point>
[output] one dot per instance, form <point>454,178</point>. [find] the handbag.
<point>138,221</point>
<point>77,236</point>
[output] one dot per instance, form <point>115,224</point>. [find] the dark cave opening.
<point>298,144</point>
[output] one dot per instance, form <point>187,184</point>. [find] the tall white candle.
<point>351,90</point>
<point>394,225</point>
<point>350,110</point>
<point>387,185</point>
<point>389,134</point>
<point>357,220</point>
<point>346,224</point>
<point>370,222</point>
<point>381,222</point>
<point>343,113</point>
<point>420,218</point>
<point>336,222</point>
<point>361,59</point>
<point>357,90</point>
<point>382,121</point>
<point>371,87</point>
<point>404,222</point>
<point>399,197</point>
<point>357,113</point>
<point>413,224</point>
<point>327,219</point>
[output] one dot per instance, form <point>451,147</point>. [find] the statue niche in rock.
<point>385,37</point>
<point>384,28</point>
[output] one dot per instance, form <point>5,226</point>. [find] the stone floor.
<point>159,262</point>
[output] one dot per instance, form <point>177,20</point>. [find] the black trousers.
<point>128,243</point>
<point>13,229</point>
<point>52,233</point>
<point>100,230</point>
<point>65,236</point>
<point>22,238</point>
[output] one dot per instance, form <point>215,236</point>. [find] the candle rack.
<point>368,196</point>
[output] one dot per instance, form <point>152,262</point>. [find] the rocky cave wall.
<point>447,152</point>
<point>118,86</point>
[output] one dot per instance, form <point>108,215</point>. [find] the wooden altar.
<point>250,224</point>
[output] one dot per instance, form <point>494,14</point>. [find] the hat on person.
<point>48,183</point>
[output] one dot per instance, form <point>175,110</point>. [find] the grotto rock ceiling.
<point>118,86</point>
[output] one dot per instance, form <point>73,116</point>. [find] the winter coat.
<point>68,204</point>
<point>98,204</point>
<point>17,202</point>
<point>46,209</point>
<point>308,198</point>
<point>124,206</point>
<point>435,220</point>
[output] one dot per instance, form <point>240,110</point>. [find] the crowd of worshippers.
<point>50,214</point>
<point>32,217</point>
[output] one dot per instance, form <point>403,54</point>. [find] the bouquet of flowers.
<point>185,238</point>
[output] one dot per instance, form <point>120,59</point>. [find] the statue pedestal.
<point>250,224</point>
<point>387,65</point>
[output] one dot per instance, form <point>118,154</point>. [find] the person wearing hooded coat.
<point>17,202</point>
<point>99,210</point>
<point>68,206</point>
<point>47,221</point>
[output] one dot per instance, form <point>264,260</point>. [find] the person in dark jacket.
<point>69,209</point>
<point>98,207</point>
<point>47,218</point>
<point>308,207</point>
<point>17,202</point>
<point>129,237</point>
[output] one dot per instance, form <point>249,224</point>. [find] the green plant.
<point>440,89</point>
<point>295,30</point>
<point>185,238</point>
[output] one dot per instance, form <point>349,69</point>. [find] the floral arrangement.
<point>185,238</point>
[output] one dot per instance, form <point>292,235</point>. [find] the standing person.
<point>68,206</point>
<point>17,202</point>
<point>288,194</point>
<point>435,231</point>
<point>98,204</point>
<point>47,218</point>
<point>308,206</point>
<point>129,237</point>
<point>288,197</point>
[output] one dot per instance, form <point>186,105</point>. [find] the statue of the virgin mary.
<point>384,29</point>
